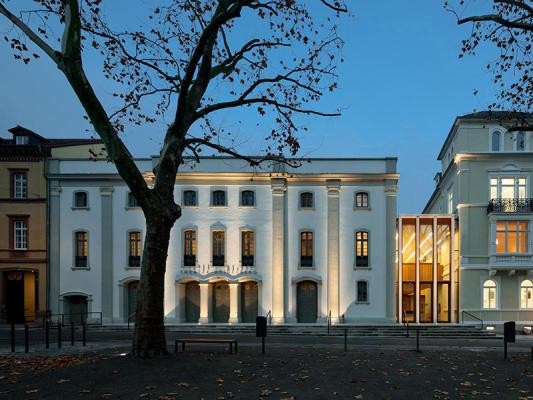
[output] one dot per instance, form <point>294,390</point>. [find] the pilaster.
<point>204,303</point>
<point>106,195</point>
<point>234,309</point>
<point>54,265</point>
<point>333,188</point>
<point>279,189</point>
<point>391,210</point>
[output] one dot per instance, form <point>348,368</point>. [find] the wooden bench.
<point>231,342</point>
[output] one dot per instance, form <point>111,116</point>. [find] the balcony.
<point>510,206</point>
<point>207,270</point>
<point>511,261</point>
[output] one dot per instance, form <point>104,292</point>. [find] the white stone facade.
<point>280,281</point>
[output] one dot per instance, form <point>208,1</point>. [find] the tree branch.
<point>519,4</point>
<point>243,102</point>
<point>336,6</point>
<point>54,55</point>
<point>498,19</point>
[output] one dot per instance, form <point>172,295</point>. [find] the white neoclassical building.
<point>301,244</point>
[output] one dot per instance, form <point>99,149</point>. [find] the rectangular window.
<point>450,201</point>
<point>80,200</point>
<point>526,294</point>
<point>361,249</point>
<point>19,185</point>
<point>247,198</point>
<point>508,187</point>
<point>362,291</point>
<point>189,253</point>
<point>218,248</point>
<point>218,198</point>
<point>189,198</point>
<point>20,234</point>
<point>22,140</point>
<point>306,249</point>
<point>132,201</point>
<point>306,200</point>
<point>81,249</point>
<point>512,236</point>
<point>247,248</point>
<point>134,249</point>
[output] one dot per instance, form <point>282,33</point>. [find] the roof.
<point>483,116</point>
<point>48,143</point>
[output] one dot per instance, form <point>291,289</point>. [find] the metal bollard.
<point>346,340</point>
<point>72,333</point>
<point>59,335</point>
<point>12,337</point>
<point>26,338</point>
<point>47,334</point>
<point>418,340</point>
<point>83,334</point>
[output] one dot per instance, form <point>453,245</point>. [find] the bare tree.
<point>508,25</point>
<point>192,59</point>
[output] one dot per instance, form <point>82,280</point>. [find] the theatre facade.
<point>302,245</point>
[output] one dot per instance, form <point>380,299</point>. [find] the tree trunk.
<point>149,338</point>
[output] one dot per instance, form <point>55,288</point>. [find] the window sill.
<point>222,207</point>
<point>80,268</point>
<point>128,268</point>
<point>311,267</point>
<point>306,208</point>
<point>362,209</point>
<point>248,207</point>
<point>195,206</point>
<point>362,302</point>
<point>357,267</point>
<point>80,208</point>
<point>132,208</point>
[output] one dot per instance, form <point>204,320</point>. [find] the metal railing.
<point>329,320</point>
<point>518,205</point>
<point>87,318</point>
<point>472,316</point>
<point>129,319</point>
<point>269,317</point>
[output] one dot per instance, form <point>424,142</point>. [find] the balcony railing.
<point>207,269</point>
<point>523,205</point>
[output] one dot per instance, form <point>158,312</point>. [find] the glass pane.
<point>408,302</point>
<point>511,225</point>
<point>408,242</point>
<point>508,181</point>
<point>443,252</point>
<point>494,192</point>
<point>495,145</point>
<point>408,272</point>
<point>426,301</point>
<point>511,242</point>
<point>426,272</point>
<point>426,243</point>
<point>523,242</point>
<point>500,225</point>
<point>523,225</point>
<point>443,302</point>
<point>507,192</point>
<point>500,242</point>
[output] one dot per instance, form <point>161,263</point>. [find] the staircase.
<point>449,331</point>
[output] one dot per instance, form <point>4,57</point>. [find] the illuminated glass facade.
<point>428,269</point>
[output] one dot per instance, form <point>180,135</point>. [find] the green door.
<point>192,302</point>
<point>307,301</point>
<point>249,301</point>
<point>220,302</point>
<point>132,298</point>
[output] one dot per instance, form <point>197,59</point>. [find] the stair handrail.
<point>269,317</point>
<point>129,319</point>
<point>329,320</point>
<point>463,312</point>
<point>405,323</point>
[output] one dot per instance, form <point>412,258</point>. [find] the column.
<point>278,265</point>
<point>333,289</point>
<point>453,304</point>
<point>204,303</point>
<point>417,267</point>
<point>390,204</point>
<point>107,279</point>
<point>400,270</point>
<point>434,300</point>
<point>234,309</point>
<point>54,266</point>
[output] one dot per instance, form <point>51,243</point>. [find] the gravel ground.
<point>208,372</point>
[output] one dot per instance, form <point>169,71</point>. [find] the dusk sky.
<point>400,88</point>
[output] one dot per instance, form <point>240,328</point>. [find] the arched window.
<point>306,200</point>
<point>361,249</point>
<point>520,141</point>
<point>306,249</point>
<point>495,141</point>
<point>80,200</point>
<point>489,294</point>
<point>362,291</point>
<point>361,200</point>
<point>134,249</point>
<point>189,198</point>
<point>526,294</point>
<point>218,198</point>
<point>218,248</point>
<point>189,251</point>
<point>247,248</point>
<point>247,198</point>
<point>81,249</point>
